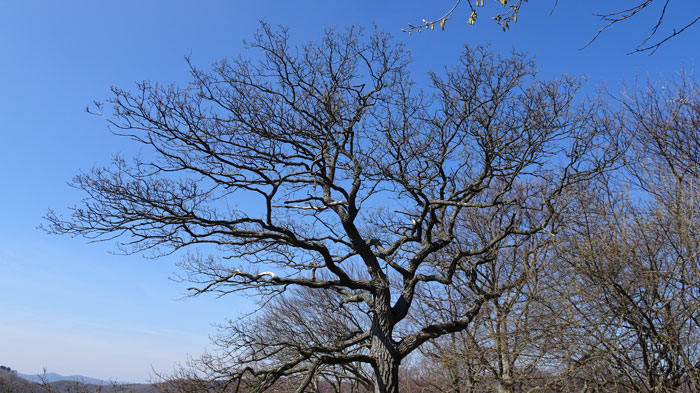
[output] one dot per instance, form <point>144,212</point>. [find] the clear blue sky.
<point>72,307</point>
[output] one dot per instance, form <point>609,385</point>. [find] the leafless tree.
<point>637,248</point>
<point>322,167</point>
<point>514,342</point>
<point>291,323</point>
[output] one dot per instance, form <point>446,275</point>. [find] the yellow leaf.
<point>472,18</point>
<point>442,24</point>
<point>504,2</point>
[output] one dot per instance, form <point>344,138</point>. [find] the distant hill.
<point>53,377</point>
<point>13,382</point>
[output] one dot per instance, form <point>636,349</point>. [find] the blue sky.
<point>73,307</point>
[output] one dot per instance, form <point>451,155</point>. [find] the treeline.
<point>611,301</point>
<point>7,369</point>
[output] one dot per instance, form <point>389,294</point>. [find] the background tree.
<point>321,167</point>
<point>513,343</point>
<point>636,248</point>
<point>271,339</point>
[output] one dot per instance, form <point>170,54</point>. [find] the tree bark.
<point>383,348</point>
<point>386,367</point>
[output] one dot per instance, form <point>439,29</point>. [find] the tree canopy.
<point>322,169</point>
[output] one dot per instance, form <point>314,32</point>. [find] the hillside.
<point>11,382</point>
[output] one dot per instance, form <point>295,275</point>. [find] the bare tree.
<point>513,344</point>
<point>290,324</point>
<point>637,248</point>
<point>516,332</point>
<point>322,167</point>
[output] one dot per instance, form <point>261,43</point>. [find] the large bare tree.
<point>322,167</point>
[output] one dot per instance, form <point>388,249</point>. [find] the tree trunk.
<point>505,379</point>
<point>383,350</point>
<point>386,374</point>
<point>501,388</point>
<point>456,381</point>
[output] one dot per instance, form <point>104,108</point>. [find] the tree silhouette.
<point>322,167</point>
